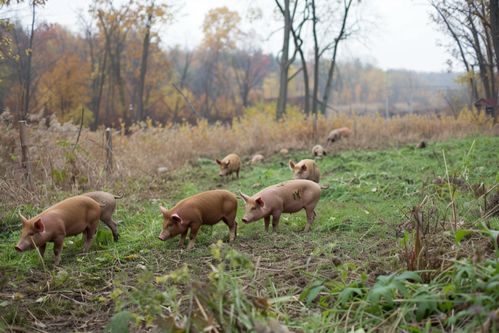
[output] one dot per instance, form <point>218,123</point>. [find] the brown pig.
<point>337,134</point>
<point>305,169</point>
<point>318,151</point>
<point>229,164</point>
<point>72,216</point>
<point>106,215</point>
<point>208,208</point>
<point>287,197</point>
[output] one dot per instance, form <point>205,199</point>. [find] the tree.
<point>473,28</point>
<point>284,60</point>
<point>149,14</point>
<point>221,31</point>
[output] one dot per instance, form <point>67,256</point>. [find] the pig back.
<point>105,198</point>
<point>76,213</point>
<point>296,194</point>
<point>208,207</point>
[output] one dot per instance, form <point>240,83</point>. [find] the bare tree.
<point>284,61</point>
<point>342,34</point>
<point>473,28</point>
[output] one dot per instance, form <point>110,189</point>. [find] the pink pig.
<point>287,197</point>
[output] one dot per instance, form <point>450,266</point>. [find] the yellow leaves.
<point>220,28</point>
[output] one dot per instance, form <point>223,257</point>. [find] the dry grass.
<point>137,156</point>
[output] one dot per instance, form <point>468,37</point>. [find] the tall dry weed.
<point>57,165</point>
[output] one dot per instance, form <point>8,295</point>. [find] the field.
<point>338,277</point>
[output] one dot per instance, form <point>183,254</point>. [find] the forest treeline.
<point>117,70</point>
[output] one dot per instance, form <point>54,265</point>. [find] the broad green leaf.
<point>460,234</point>
<point>119,322</point>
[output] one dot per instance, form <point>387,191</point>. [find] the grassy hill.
<point>366,229</point>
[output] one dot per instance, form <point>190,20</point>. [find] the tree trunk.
<point>494,26</point>
<point>315,91</point>
<point>143,64</point>
<point>284,64</point>
<point>27,82</point>
<point>332,65</point>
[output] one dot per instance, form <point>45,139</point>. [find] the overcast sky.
<point>397,34</point>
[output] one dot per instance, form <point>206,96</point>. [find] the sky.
<point>394,34</point>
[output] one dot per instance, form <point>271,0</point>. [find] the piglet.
<point>72,216</point>
<point>338,133</point>
<point>305,169</point>
<point>106,216</point>
<point>287,197</point>
<point>205,208</point>
<point>229,164</point>
<point>318,151</point>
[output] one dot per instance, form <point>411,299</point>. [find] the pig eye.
<point>253,208</point>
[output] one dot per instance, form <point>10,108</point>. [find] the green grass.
<point>369,194</point>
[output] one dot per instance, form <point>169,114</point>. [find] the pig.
<point>106,216</point>
<point>284,151</point>
<point>287,197</point>
<point>337,134</point>
<point>229,164</point>
<point>318,151</point>
<point>72,216</point>
<point>305,169</point>
<point>205,208</point>
<point>257,158</point>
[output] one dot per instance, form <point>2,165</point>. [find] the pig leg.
<point>58,249</point>
<point>310,217</point>
<point>275,222</point>
<point>237,173</point>
<point>266,219</point>
<point>182,238</point>
<point>41,248</point>
<point>231,223</point>
<point>192,237</point>
<point>89,235</point>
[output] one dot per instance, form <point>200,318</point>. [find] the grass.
<point>355,239</point>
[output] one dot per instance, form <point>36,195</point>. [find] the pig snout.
<point>164,236</point>
<point>21,247</point>
<point>245,220</point>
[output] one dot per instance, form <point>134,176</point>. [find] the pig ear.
<point>259,201</point>
<point>38,225</point>
<point>244,196</point>
<point>163,210</point>
<point>291,164</point>
<point>303,167</point>
<point>227,163</point>
<point>176,218</point>
<point>218,161</point>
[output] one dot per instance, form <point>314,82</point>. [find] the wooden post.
<point>25,165</point>
<point>109,152</point>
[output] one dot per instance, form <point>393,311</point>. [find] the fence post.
<point>25,164</point>
<point>109,152</point>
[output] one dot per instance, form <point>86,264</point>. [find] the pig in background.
<point>305,169</point>
<point>256,159</point>
<point>288,197</point>
<point>205,208</point>
<point>318,151</point>
<point>108,205</point>
<point>228,165</point>
<point>70,217</point>
<point>338,134</point>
